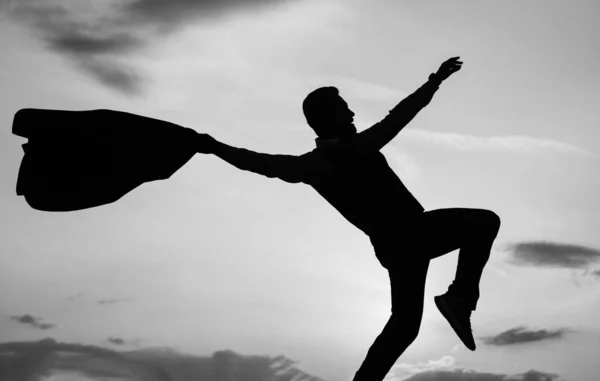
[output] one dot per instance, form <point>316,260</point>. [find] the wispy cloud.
<point>515,143</point>
<point>114,301</point>
<point>552,254</point>
<point>32,322</point>
<point>404,369</point>
<point>534,375</point>
<point>122,342</point>
<point>523,335</point>
<point>116,340</point>
<point>373,92</point>
<point>74,297</point>
<point>595,273</point>
<point>472,375</point>
<point>175,13</point>
<point>588,276</point>
<point>92,45</point>
<point>363,90</point>
<point>98,38</point>
<point>406,166</point>
<point>230,365</point>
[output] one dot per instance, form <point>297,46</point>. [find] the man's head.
<point>328,114</point>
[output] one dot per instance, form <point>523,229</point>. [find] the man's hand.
<point>448,68</point>
<point>205,143</point>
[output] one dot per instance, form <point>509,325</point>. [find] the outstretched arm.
<point>289,168</point>
<point>383,132</point>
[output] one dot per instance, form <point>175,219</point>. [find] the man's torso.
<point>360,184</point>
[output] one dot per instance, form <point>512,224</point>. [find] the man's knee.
<point>492,221</point>
<point>412,331</point>
<point>407,326</point>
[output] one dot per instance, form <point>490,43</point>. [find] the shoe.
<point>458,316</point>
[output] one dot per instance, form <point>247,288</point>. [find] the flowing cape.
<point>76,160</point>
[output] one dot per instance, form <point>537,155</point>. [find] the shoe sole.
<point>446,311</point>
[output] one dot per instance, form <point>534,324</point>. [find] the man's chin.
<point>346,131</point>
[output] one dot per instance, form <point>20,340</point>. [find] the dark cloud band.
<point>464,375</point>
<point>32,322</point>
<point>552,254</point>
<point>94,44</point>
<point>523,335</point>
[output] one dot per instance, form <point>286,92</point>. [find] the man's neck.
<point>324,142</point>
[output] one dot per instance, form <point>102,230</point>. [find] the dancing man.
<point>349,171</point>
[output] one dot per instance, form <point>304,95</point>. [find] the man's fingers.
<point>453,68</point>
<point>452,64</point>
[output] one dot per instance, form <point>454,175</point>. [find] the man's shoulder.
<point>316,162</point>
<point>314,156</point>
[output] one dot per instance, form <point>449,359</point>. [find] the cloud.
<point>73,297</point>
<point>534,375</point>
<point>94,37</point>
<point>122,342</point>
<point>471,375</point>
<point>407,369</point>
<point>92,46</point>
<point>552,254</point>
<point>175,13</point>
<point>517,143</point>
<point>229,365</point>
<point>116,340</point>
<point>496,270</point>
<point>522,335</point>
<point>455,375</point>
<point>117,76</point>
<point>355,88</point>
<point>113,301</point>
<point>403,163</point>
<point>589,276</point>
<point>32,321</point>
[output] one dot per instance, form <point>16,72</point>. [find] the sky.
<point>217,258</point>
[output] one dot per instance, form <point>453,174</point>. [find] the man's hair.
<point>318,106</point>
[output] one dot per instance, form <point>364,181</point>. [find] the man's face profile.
<point>342,124</point>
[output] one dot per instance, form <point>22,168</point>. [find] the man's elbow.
<point>291,178</point>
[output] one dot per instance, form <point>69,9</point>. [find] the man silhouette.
<point>349,171</point>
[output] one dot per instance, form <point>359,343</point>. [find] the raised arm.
<point>289,168</point>
<point>383,132</point>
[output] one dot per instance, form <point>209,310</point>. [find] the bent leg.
<point>408,290</point>
<point>473,231</point>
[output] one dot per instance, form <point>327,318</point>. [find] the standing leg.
<point>408,291</point>
<point>433,234</point>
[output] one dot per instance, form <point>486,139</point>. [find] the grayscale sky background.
<point>216,258</point>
